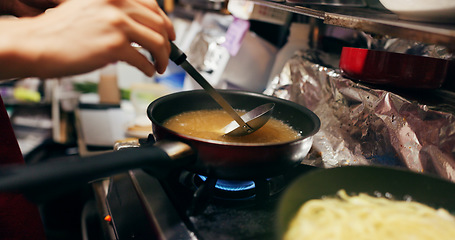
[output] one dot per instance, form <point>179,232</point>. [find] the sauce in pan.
<point>209,124</point>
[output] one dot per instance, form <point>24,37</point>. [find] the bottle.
<point>108,89</point>
<point>297,40</point>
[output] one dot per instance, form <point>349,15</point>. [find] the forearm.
<point>81,36</point>
<point>15,61</point>
<point>41,47</point>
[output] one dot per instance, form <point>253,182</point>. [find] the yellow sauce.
<point>209,124</point>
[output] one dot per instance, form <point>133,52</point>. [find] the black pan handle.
<point>51,178</point>
<point>177,55</point>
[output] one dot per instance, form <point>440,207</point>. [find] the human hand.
<point>84,35</point>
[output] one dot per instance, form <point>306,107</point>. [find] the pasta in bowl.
<point>362,216</point>
<point>366,202</point>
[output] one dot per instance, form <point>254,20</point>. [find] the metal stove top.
<point>141,207</point>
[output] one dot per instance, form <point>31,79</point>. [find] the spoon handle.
<point>179,58</point>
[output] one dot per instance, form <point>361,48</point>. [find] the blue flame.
<point>232,185</point>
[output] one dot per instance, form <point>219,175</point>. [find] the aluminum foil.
<point>362,125</point>
<point>399,45</point>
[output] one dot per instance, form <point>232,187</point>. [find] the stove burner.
<point>227,189</point>
<point>229,192</point>
<point>233,185</point>
<point>143,206</point>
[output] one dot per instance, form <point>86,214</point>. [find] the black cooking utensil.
<point>242,125</point>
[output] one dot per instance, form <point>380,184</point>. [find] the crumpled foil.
<point>205,49</point>
<point>364,125</point>
<point>399,45</point>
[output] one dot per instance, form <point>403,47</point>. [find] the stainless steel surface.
<point>159,207</point>
<point>255,118</point>
<point>155,202</point>
<point>175,150</point>
<point>100,189</point>
<point>374,21</point>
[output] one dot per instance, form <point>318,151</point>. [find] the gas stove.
<point>185,205</point>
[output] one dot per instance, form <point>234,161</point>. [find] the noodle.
<point>366,217</point>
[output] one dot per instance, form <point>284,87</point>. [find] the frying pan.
<point>237,161</point>
<point>393,69</point>
<point>173,150</point>
<point>400,183</point>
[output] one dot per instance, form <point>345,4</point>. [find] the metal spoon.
<point>248,123</point>
<point>255,118</point>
